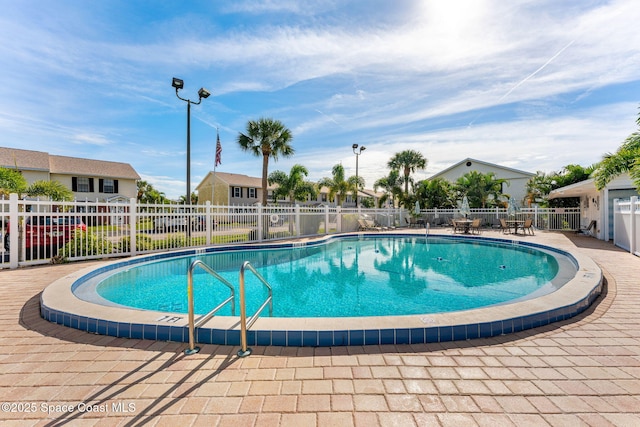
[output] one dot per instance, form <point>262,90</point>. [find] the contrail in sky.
<point>530,75</point>
<point>329,118</point>
<point>536,71</point>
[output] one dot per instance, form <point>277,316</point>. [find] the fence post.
<point>133,221</point>
<point>339,219</point>
<point>208,218</point>
<point>632,224</point>
<point>14,253</point>
<point>261,223</point>
<point>326,220</point>
<point>297,219</point>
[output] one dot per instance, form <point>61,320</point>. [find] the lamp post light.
<point>357,151</point>
<point>202,93</point>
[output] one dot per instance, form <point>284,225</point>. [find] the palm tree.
<point>625,159</point>
<point>338,186</point>
<point>482,190</point>
<point>538,188</point>
<point>54,190</point>
<point>148,194</point>
<point>407,161</point>
<point>12,181</point>
<point>391,184</point>
<point>435,193</point>
<point>266,138</point>
<point>292,186</point>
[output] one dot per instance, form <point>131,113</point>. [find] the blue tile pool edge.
<point>320,338</point>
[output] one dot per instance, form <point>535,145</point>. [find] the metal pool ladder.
<point>192,324</point>
<point>244,323</point>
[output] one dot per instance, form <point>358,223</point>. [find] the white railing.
<point>626,224</point>
<point>69,231</point>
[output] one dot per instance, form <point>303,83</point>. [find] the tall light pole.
<point>202,93</point>
<point>357,151</point>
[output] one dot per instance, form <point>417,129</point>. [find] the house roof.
<point>74,165</point>
<point>620,182</point>
<point>41,161</point>
<point>24,159</point>
<point>574,190</point>
<point>239,179</point>
<point>492,165</point>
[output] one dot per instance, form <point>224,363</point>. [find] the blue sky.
<point>532,85</point>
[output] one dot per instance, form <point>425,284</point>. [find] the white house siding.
<point>517,180</point>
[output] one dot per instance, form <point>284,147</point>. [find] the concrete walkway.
<point>585,371</point>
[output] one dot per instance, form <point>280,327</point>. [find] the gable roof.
<point>41,161</point>
<point>12,158</point>
<point>75,165</point>
<point>239,179</point>
<point>491,165</point>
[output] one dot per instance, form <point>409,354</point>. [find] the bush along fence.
<point>68,231</point>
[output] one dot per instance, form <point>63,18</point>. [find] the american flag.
<point>218,150</point>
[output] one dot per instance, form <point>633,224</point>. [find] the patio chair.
<point>587,230</point>
<point>528,226</point>
<point>475,226</point>
<point>371,224</point>
<point>458,227</point>
<point>411,222</point>
<point>504,227</point>
<point>367,225</point>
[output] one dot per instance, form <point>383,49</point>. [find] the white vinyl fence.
<point>70,231</point>
<point>626,224</point>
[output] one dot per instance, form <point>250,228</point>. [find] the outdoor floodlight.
<point>203,93</point>
<point>177,83</point>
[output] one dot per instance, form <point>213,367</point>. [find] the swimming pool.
<point>553,300</point>
<point>346,278</point>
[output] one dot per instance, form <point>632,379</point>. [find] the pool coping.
<point>58,304</point>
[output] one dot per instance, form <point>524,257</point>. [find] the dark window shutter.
<point>115,186</point>
<point>74,184</point>
<point>101,185</point>
<point>91,187</point>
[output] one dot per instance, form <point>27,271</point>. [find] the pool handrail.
<point>202,319</point>
<point>244,324</point>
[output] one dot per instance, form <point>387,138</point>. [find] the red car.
<point>47,231</point>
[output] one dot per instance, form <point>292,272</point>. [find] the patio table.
<point>515,223</point>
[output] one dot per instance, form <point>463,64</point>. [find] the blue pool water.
<point>370,276</point>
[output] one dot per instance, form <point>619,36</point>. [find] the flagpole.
<point>218,159</point>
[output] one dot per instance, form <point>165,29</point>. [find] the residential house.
<point>223,188</point>
<point>92,180</point>
<point>597,205</point>
<point>237,189</point>
<point>516,180</point>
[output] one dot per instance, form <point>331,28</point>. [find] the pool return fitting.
<point>244,323</point>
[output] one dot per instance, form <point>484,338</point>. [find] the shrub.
<point>85,244</point>
<point>143,243</point>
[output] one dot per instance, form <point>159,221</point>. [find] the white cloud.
<point>528,77</point>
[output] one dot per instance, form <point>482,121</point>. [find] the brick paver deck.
<point>581,372</point>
